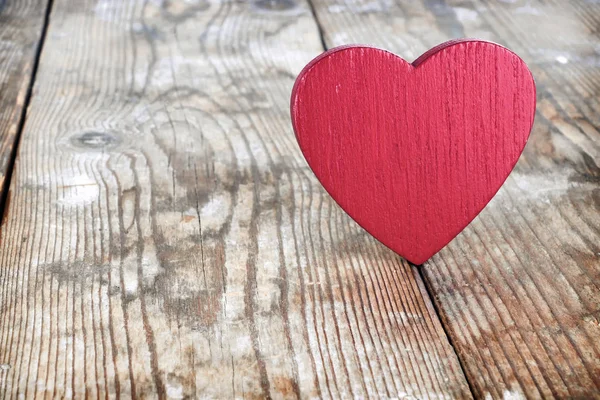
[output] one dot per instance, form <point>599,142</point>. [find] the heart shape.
<point>413,152</point>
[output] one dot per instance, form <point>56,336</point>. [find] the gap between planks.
<point>443,323</point>
<point>5,189</point>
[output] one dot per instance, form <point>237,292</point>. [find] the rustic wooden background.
<point>163,237</point>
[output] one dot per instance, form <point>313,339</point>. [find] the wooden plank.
<point>168,239</point>
<point>21,25</point>
<point>518,290</point>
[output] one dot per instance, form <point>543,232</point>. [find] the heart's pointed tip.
<point>417,260</point>
<point>417,253</point>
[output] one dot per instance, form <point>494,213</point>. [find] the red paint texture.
<point>413,152</point>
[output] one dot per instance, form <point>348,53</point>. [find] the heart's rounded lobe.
<point>413,152</point>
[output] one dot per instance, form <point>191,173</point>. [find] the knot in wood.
<point>275,5</point>
<point>95,140</point>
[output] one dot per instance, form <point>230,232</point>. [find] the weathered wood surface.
<point>165,238</point>
<point>518,290</point>
<point>21,23</point>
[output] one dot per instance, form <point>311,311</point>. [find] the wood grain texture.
<point>167,238</point>
<point>413,152</point>
<point>518,289</point>
<point>21,23</point>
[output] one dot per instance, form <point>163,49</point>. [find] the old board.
<point>518,290</point>
<point>165,238</point>
<point>21,31</point>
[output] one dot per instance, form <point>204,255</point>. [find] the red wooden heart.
<point>413,152</point>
